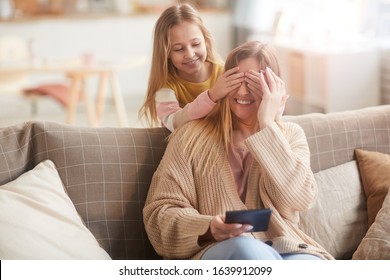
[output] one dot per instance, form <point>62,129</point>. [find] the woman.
<point>240,156</point>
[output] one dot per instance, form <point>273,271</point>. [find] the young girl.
<point>186,77</point>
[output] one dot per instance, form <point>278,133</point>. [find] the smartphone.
<point>258,218</point>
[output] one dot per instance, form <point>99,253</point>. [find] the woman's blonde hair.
<point>205,136</point>
<point>161,65</point>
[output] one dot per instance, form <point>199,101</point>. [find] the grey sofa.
<point>107,171</point>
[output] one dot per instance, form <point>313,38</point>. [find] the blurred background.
<point>334,55</point>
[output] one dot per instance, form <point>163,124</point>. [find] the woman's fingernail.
<point>247,227</point>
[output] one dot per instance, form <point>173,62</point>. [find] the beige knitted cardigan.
<point>182,201</point>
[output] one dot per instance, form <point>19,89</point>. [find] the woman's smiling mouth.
<point>244,101</point>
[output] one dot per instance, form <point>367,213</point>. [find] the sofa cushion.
<point>374,169</point>
<point>107,173</point>
<point>39,221</point>
<point>376,244</point>
<point>338,220</point>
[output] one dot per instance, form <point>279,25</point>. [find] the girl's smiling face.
<point>244,104</point>
<point>188,50</point>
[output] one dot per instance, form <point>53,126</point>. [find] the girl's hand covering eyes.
<point>253,82</point>
<point>226,83</point>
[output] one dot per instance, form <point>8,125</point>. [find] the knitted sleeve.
<point>284,158</point>
<point>172,222</point>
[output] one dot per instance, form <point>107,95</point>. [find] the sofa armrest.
<point>16,151</point>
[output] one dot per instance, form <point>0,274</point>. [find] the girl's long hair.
<point>161,65</point>
<point>206,136</point>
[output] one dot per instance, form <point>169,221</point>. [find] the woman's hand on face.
<point>221,231</point>
<point>227,82</point>
<point>273,98</point>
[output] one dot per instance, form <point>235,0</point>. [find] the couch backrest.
<point>333,137</point>
<point>106,172</point>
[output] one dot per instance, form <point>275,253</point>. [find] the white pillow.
<point>338,220</point>
<point>39,221</point>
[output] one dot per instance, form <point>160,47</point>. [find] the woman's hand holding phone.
<point>221,230</point>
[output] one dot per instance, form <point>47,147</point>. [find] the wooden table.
<point>79,71</point>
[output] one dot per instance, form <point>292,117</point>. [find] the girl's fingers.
<point>236,81</point>
<point>231,71</point>
<point>255,90</point>
<point>236,78</point>
<point>253,82</point>
<point>233,86</point>
<point>252,76</point>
